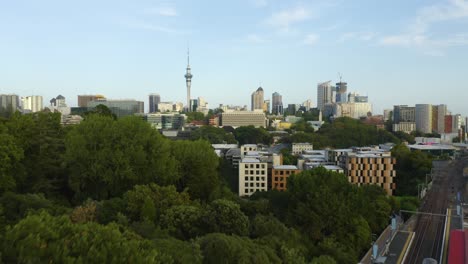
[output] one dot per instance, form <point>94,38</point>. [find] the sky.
<point>394,51</point>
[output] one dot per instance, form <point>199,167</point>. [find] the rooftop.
<point>332,167</point>
<point>285,167</point>
<point>250,160</point>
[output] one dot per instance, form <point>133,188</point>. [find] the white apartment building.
<point>423,116</point>
<point>253,176</point>
<point>33,103</point>
<point>247,148</point>
<point>299,148</point>
<point>255,118</point>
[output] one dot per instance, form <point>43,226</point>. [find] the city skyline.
<point>129,50</point>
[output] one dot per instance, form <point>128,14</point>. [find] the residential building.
<point>120,108</point>
<point>166,121</point>
<point>277,104</point>
<point>244,118</point>
<point>308,104</point>
<point>406,127</point>
<point>253,176</point>
<point>163,107</point>
<point>9,103</point>
<point>83,100</point>
<point>387,113</point>
<point>257,99</point>
<point>353,110</point>
<point>325,95</point>
<point>244,149</point>
<point>423,116</point>
<point>371,168</point>
<point>153,99</point>
<point>59,104</point>
<point>280,175</point>
<point>266,106</point>
<point>299,148</point>
<point>33,103</point>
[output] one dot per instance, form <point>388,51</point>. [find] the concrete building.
<point>33,103</point>
<point>404,113</point>
<point>253,176</point>
<point>277,104</point>
<point>299,148</point>
<point>423,116</point>
<point>163,107</point>
<point>387,113</point>
<point>244,118</point>
<point>406,127</point>
<point>341,89</point>
<point>356,98</point>
<point>280,175</point>
<point>83,100</point>
<point>9,103</point>
<point>245,149</point>
<point>371,168</point>
<point>166,121</point>
<point>438,118</point>
<point>59,104</point>
<point>308,104</point>
<point>352,110</point>
<point>121,108</point>
<point>257,99</point>
<point>153,99</point>
<point>266,106</point>
<point>325,95</point>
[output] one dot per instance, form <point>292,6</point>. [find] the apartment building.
<point>253,176</point>
<point>280,175</point>
<point>299,148</point>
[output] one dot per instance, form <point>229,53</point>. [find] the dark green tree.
<point>225,216</point>
<point>252,135</point>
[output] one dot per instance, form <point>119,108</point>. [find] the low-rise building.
<point>299,148</point>
<point>280,175</point>
<point>253,176</point>
<point>255,118</point>
<point>166,121</point>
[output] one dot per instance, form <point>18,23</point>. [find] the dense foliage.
<point>115,191</point>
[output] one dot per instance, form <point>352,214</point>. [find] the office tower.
<point>441,112</point>
<point>83,100</point>
<point>292,109</point>
<point>404,113</point>
<point>244,118</point>
<point>324,94</point>
<point>307,105</point>
<point>188,80</point>
<point>356,98</point>
<point>341,89</point>
<point>423,118</point>
<point>9,103</point>
<point>32,103</point>
<point>277,104</point>
<point>154,100</point>
<point>257,99</point>
<point>266,106</point>
<point>387,113</point>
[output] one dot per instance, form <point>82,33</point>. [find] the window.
<point>251,178</point>
<point>246,178</point>
<point>258,178</point>
<point>263,172</point>
<point>257,166</point>
<point>276,178</point>
<point>263,166</point>
<point>263,184</point>
<point>257,173</point>
<point>246,184</point>
<point>258,184</point>
<point>252,172</point>
<point>247,190</point>
<point>246,172</point>
<point>263,178</point>
<point>281,185</point>
<point>246,166</point>
<point>251,184</point>
<point>281,172</point>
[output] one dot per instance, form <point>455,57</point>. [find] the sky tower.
<point>188,80</point>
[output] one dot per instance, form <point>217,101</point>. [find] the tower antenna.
<point>340,76</point>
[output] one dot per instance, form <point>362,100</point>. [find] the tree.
<point>44,238</point>
<point>214,135</point>
<point>101,110</point>
<point>195,116</point>
<point>10,158</point>
<point>107,157</point>
<point>224,216</point>
<point>252,135</point>
<point>184,221</point>
<point>197,167</point>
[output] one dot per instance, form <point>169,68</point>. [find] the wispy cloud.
<point>167,11</point>
<point>419,32</point>
<point>284,19</point>
<point>311,39</point>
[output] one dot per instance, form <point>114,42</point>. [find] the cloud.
<point>286,18</point>
<point>166,11</point>
<point>418,33</point>
<point>311,39</point>
<point>358,35</point>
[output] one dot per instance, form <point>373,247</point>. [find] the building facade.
<point>277,104</point>
<point>404,113</point>
<point>341,89</point>
<point>253,176</point>
<point>280,175</point>
<point>9,103</point>
<point>83,99</point>
<point>166,121</point>
<point>120,108</point>
<point>299,148</point>
<point>33,103</point>
<point>244,118</point>
<point>257,99</point>
<point>423,116</point>
<point>325,95</point>
<point>153,99</point>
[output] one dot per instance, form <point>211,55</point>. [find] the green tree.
<point>214,135</point>
<point>197,167</point>
<point>10,158</point>
<point>184,221</point>
<point>44,238</point>
<point>107,157</point>
<point>195,116</point>
<point>225,216</point>
<point>252,135</point>
<point>101,110</point>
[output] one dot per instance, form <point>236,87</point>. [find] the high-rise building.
<point>307,105</point>
<point>277,104</point>
<point>257,99</point>
<point>325,95</point>
<point>356,98</point>
<point>441,113</point>
<point>404,113</point>
<point>166,121</point>
<point>9,103</point>
<point>83,100</point>
<point>266,106</point>
<point>154,100</point>
<point>33,103</point>
<point>341,89</point>
<point>121,108</point>
<point>423,116</point>
<point>188,80</point>
<point>58,104</point>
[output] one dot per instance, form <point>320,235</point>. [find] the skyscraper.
<point>32,103</point>
<point>341,89</point>
<point>257,99</point>
<point>9,103</point>
<point>423,116</point>
<point>277,105</point>
<point>83,100</point>
<point>154,100</point>
<point>324,94</point>
<point>188,80</point>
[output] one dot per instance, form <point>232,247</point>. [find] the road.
<point>429,230</point>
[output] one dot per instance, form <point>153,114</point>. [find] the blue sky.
<point>395,51</point>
